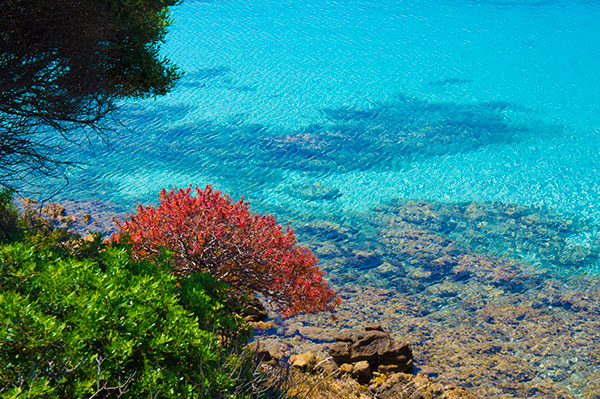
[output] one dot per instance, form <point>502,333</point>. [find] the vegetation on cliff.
<point>83,319</point>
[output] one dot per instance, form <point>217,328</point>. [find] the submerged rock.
<point>495,228</point>
<point>54,210</point>
<point>406,386</point>
<point>314,192</point>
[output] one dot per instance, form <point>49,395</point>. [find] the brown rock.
<point>263,325</point>
<point>304,362</point>
<point>362,372</point>
<point>326,367</point>
<point>86,217</point>
<point>375,346</point>
<point>254,310</point>
<point>346,368</point>
<point>28,202</point>
<point>54,210</point>
<point>341,352</point>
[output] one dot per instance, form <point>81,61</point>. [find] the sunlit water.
<point>322,112</point>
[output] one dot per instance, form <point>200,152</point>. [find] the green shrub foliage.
<point>8,215</point>
<point>109,327</point>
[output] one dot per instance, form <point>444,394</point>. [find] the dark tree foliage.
<point>63,66</point>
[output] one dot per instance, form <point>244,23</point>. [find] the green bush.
<point>8,215</point>
<point>109,327</point>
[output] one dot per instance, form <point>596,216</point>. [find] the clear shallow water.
<point>322,112</point>
<point>509,86</point>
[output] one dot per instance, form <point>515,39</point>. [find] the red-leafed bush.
<point>212,233</point>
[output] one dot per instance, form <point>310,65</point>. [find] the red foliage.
<point>211,233</point>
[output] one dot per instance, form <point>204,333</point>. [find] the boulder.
<point>88,237</point>
<point>305,361</point>
<point>326,367</point>
<point>86,218</point>
<point>361,371</point>
<point>346,368</point>
<point>28,202</point>
<point>254,310</point>
<point>54,210</point>
<point>375,346</point>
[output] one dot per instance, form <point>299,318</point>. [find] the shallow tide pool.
<point>441,158</point>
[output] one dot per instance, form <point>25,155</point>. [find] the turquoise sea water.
<point>477,100</point>
<point>323,112</point>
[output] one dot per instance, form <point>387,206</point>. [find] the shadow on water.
<point>165,145</point>
<point>201,77</point>
<point>390,135</point>
<point>220,76</point>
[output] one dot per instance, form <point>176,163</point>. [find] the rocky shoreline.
<point>81,217</point>
<point>365,364</point>
<point>433,277</point>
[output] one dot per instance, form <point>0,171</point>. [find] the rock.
<point>341,352</point>
<point>88,237</point>
<point>314,192</point>
<point>346,368</point>
<point>69,219</point>
<point>326,367</point>
<point>362,372</point>
<point>401,386</point>
<point>375,346</point>
<point>262,354</point>
<point>28,202</point>
<point>54,210</point>
<point>373,327</point>
<point>304,362</point>
<point>254,310</point>
<point>263,325</point>
<point>86,218</point>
